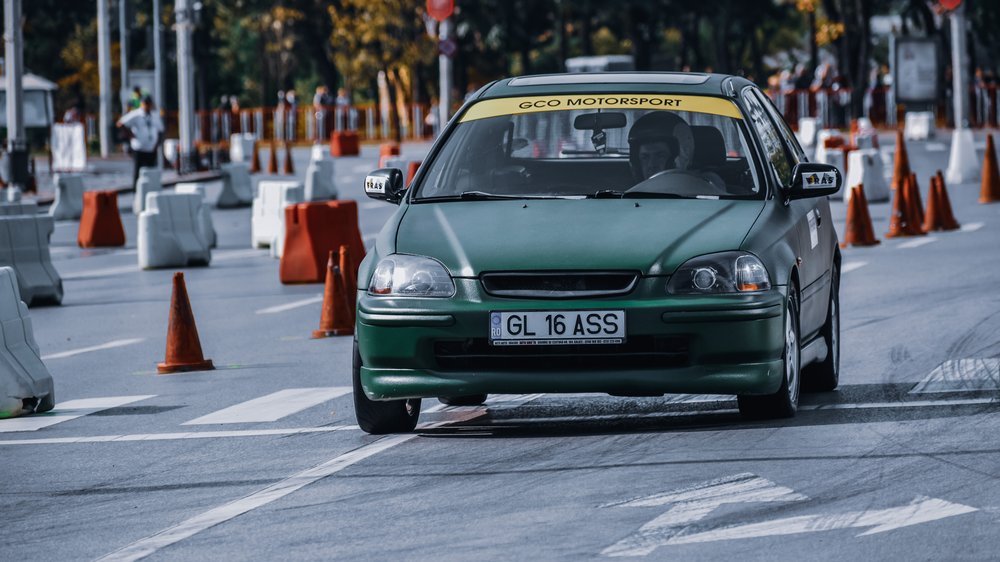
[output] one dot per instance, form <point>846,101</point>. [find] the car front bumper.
<point>724,344</point>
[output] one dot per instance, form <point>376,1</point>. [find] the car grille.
<point>640,352</point>
<point>559,285</point>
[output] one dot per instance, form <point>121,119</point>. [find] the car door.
<point>803,219</point>
<point>822,237</point>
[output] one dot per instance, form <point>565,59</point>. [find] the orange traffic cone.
<point>901,220</point>
<point>936,218</point>
<point>916,202</point>
<point>183,346</point>
<point>950,223</point>
<point>901,163</point>
<point>335,318</point>
<point>349,274</point>
<point>289,168</point>
<point>990,190</point>
<point>272,162</point>
<point>859,231</point>
<point>255,162</point>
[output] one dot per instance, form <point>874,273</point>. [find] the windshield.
<point>599,146</point>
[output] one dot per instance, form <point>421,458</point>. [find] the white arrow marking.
<point>694,504</point>
<point>921,510</point>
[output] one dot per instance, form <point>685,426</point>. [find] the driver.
<point>661,141</point>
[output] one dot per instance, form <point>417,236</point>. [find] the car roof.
<point>615,82</point>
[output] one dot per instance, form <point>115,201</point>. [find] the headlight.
<point>725,272</point>
<point>400,275</point>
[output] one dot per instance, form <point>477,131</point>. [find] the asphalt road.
<point>899,463</point>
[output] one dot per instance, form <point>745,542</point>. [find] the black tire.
<point>825,375</point>
<point>469,400</point>
<point>46,403</point>
<point>784,402</point>
<point>379,417</point>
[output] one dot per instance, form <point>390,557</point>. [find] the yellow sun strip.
<point>533,104</point>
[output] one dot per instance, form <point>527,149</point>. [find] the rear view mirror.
<point>385,184</point>
<point>812,179</point>
<point>600,121</point>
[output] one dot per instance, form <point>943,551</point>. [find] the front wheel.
<point>378,417</point>
<point>781,404</point>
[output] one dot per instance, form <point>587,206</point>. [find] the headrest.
<point>709,147</point>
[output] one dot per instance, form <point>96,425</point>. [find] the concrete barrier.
<point>25,384</point>
<point>204,212</point>
<point>241,147</point>
<point>312,231</point>
<point>150,181</point>
<point>919,125</point>
<point>24,246</point>
<point>344,143</point>
<point>865,167</point>
<point>808,126</point>
<point>68,204</point>
<point>19,208</point>
<point>237,188</point>
<point>267,223</point>
<point>169,235</point>
<point>319,179</point>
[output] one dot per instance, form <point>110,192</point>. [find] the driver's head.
<point>658,141</point>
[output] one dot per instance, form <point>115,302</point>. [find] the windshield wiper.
<point>483,196</point>
<point>652,195</point>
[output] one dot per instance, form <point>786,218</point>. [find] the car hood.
<point>653,236</point>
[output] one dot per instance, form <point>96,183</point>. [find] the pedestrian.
<point>135,99</point>
<point>343,99</point>
<point>320,98</point>
<point>147,134</point>
<point>290,100</point>
<point>281,101</point>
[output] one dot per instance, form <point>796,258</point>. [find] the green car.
<point>633,234</point>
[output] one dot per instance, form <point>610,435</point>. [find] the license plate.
<point>563,327</point>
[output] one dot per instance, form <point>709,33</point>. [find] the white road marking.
<point>224,255</point>
<point>935,147</point>
<point>961,375</point>
<point>852,265</point>
<point>110,345</point>
<point>180,435</point>
<point>272,407</point>
<point>922,241</point>
<point>921,510</point>
<point>66,411</point>
<point>291,305</point>
<point>694,504</point>
<point>190,527</point>
<point>107,271</point>
<point>972,226</point>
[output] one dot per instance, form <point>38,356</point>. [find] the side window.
<point>783,128</point>
<point>774,148</point>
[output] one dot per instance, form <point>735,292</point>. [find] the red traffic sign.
<point>440,9</point>
<point>946,4</point>
<point>448,47</point>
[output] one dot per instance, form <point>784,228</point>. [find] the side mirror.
<point>812,179</point>
<point>385,184</point>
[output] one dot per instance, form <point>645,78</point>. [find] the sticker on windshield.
<point>819,179</point>
<point>533,104</point>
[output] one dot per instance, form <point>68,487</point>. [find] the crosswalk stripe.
<point>291,305</point>
<point>918,242</point>
<point>69,410</point>
<point>272,407</point>
<point>972,227</point>
<point>174,436</point>
<point>109,345</point>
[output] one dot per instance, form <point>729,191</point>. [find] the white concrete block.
<point>24,245</point>
<point>964,163</point>
<point>821,149</point>
<point>319,181</point>
<point>864,166</point>
<point>25,384</point>
<point>169,235</point>
<point>204,212</point>
<point>267,223</point>
<point>69,197</point>
<point>918,125</point>
<point>237,189</point>
<point>149,181</point>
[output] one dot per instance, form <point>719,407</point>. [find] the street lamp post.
<point>185,85</point>
<point>104,76</point>
<point>17,143</point>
